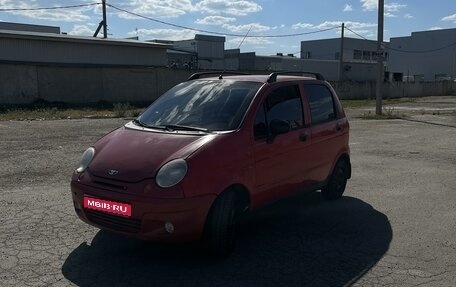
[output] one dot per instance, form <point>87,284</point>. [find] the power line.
<point>250,28</point>
<point>168,23</point>
<point>357,34</point>
<point>48,8</point>
<point>423,51</point>
<point>218,33</point>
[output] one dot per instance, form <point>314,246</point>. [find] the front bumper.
<point>148,214</point>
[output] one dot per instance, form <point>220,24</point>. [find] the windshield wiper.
<point>170,127</point>
<point>141,124</point>
<point>186,128</point>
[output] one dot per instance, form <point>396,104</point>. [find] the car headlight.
<point>171,173</point>
<point>85,159</point>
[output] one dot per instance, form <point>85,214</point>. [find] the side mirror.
<point>278,127</point>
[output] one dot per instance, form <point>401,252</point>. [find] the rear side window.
<point>321,103</point>
<point>284,104</point>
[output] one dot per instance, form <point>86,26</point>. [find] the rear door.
<point>327,129</point>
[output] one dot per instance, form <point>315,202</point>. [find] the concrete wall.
<point>24,84</point>
<point>366,90</point>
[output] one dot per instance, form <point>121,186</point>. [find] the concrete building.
<point>355,50</point>
<point>232,60</point>
<point>209,51</point>
<point>40,66</point>
<point>424,55</point>
<point>29,28</point>
<point>359,56</point>
<point>48,48</point>
<point>354,71</point>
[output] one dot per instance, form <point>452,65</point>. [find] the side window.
<point>321,103</point>
<point>285,104</point>
<point>281,104</point>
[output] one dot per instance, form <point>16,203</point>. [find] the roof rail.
<point>221,73</point>
<point>273,76</point>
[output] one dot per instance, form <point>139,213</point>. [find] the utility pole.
<point>105,24</point>
<point>380,73</point>
<point>341,54</point>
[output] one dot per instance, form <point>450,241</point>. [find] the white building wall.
<point>329,49</point>
<point>210,50</point>
<point>438,62</point>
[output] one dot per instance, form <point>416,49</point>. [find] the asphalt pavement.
<point>395,225</point>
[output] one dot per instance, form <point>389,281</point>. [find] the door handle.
<point>339,126</point>
<point>303,137</point>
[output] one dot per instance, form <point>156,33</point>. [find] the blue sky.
<point>239,17</point>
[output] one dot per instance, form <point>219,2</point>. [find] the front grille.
<point>110,185</point>
<point>114,222</point>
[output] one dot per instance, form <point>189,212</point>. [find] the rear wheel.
<point>337,182</point>
<point>220,229</point>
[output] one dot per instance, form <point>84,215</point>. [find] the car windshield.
<point>211,105</point>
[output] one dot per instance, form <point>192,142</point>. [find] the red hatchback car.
<point>208,150</point>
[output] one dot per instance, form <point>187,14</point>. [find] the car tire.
<point>337,181</point>
<point>220,229</point>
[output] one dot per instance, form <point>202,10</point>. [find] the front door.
<point>281,161</point>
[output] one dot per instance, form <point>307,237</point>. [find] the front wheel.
<point>220,229</point>
<point>337,182</point>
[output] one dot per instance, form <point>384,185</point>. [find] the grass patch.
<point>387,114</point>
<point>48,112</point>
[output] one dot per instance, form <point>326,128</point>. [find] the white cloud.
<point>362,32</point>
<point>349,24</point>
<point>215,20</point>
<point>390,8</point>
<point>348,8</point>
<point>408,16</point>
<point>156,8</point>
<point>302,26</point>
<point>450,18</point>
<point>164,34</point>
<point>435,28</point>
<point>358,27</point>
<point>361,28</point>
<point>369,5</point>
<point>82,30</point>
<point>394,7</point>
<point>236,7</point>
<point>289,46</point>
<point>57,15</point>
<point>250,41</point>
<point>253,27</point>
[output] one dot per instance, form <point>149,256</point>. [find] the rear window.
<point>321,101</point>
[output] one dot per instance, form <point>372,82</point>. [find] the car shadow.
<point>299,241</point>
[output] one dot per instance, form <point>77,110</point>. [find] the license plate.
<point>107,206</point>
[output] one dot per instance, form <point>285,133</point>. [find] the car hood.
<point>134,155</point>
